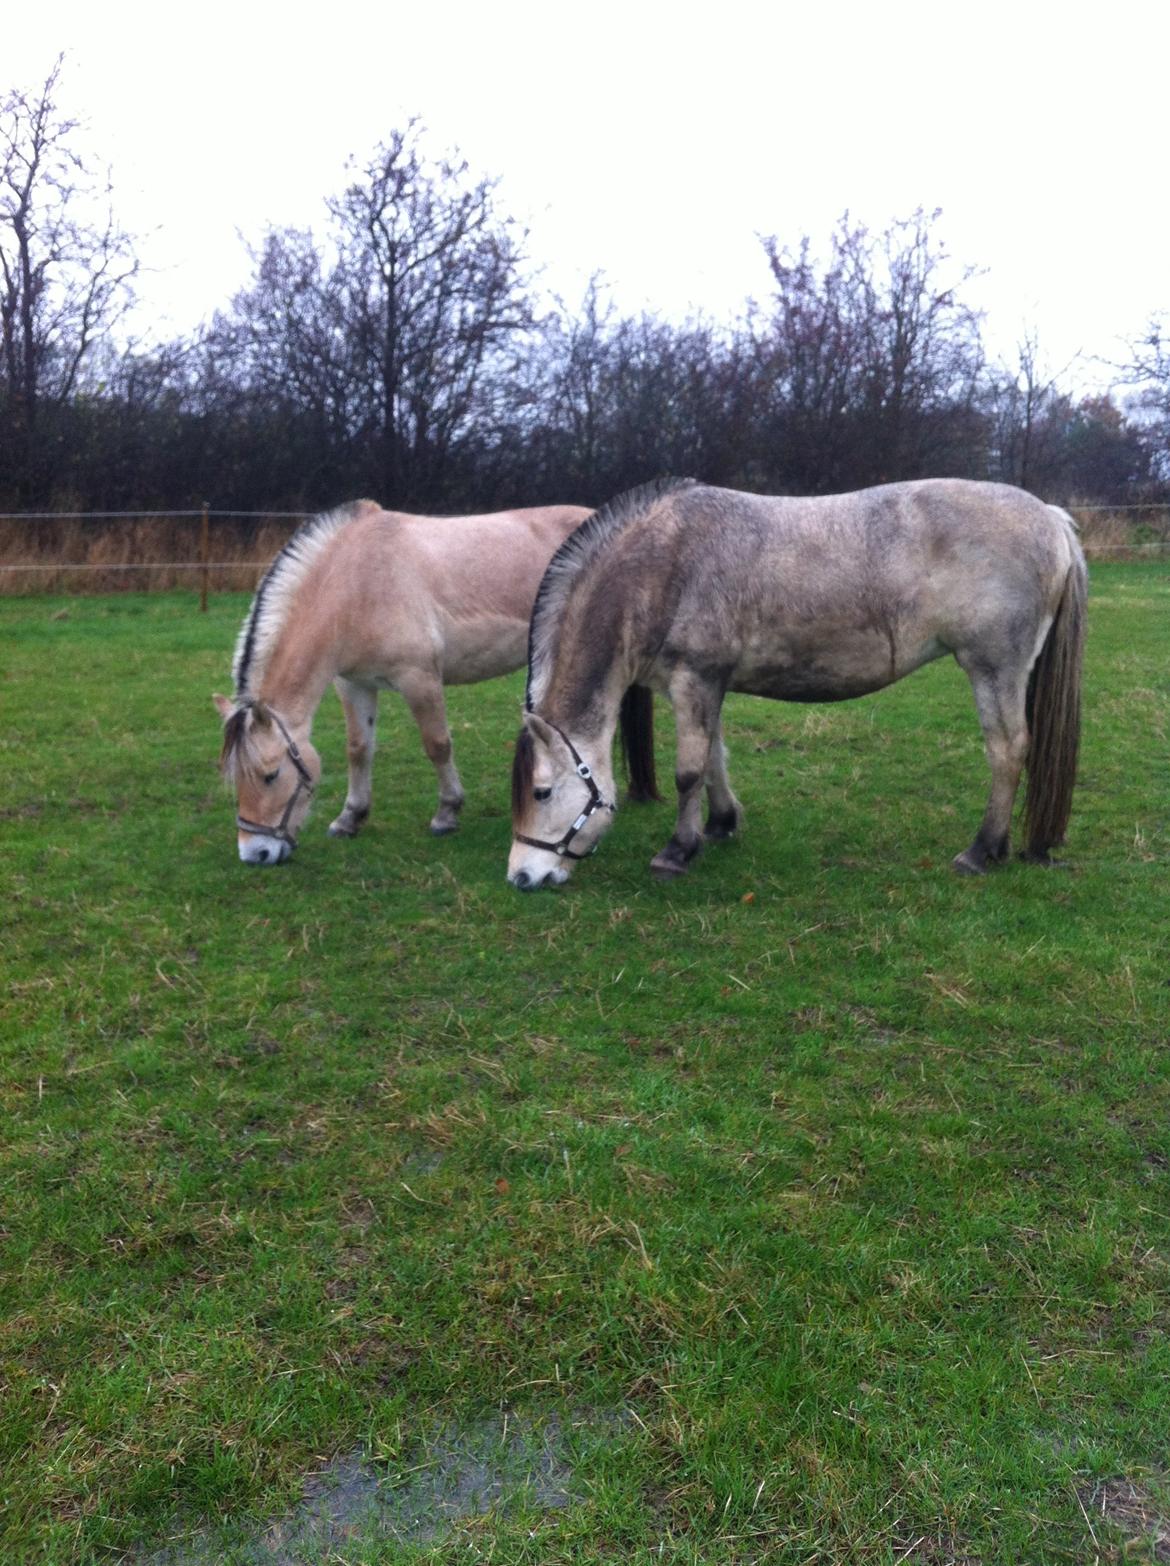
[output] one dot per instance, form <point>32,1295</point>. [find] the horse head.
<point>562,804</point>
<point>274,775</point>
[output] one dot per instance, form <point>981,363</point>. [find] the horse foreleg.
<point>1000,700</point>
<point>360,705</point>
<point>423,694</point>
<point>696,705</point>
<point>724,811</point>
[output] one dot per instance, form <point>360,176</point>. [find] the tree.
<point>1149,371</point>
<point>1106,458</point>
<point>614,399</point>
<point>1030,417</point>
<point>869,365</point>
<point>430,283</point>
<point>66,270</point>
<point>274,373</point>
<point>381,359</point>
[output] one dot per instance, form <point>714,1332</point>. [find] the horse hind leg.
<point>423,693</point>
<point>360,705</point>
<point>1000,702</point>
<point>724,811</point>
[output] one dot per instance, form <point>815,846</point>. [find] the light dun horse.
<point>372,599</point>
<point>695,592</point>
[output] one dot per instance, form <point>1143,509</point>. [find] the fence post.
<point>204,556</point>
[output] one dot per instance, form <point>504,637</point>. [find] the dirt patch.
<point>1132,1509</point>
<point>934,1550</point>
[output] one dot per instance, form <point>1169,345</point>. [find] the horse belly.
<point>483,649</point>
<point>814,672</point>
<point>806,684</point>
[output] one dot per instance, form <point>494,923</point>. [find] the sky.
<point>654,143</point>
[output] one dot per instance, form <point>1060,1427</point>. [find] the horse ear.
<point>223,706</point>
<point>540,730</point>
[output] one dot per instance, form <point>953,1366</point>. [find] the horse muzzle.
<point>257,848</point>
<point>532,879</point>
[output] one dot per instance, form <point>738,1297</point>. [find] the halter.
<point>596,802</point>
<point>304,783</point>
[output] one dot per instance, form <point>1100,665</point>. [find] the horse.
<point>372,599</point>
<point>693,591</point>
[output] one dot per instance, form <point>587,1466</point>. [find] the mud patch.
<point>1136,1512</point>
<point>466,1471</point>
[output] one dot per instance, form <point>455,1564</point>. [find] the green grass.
<point>822,1198</point>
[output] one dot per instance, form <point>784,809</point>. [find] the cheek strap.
<point>304,785</point>
<point>595,802</point>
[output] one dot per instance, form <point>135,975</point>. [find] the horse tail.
<point>637,731</point>
<point>1054,716</point>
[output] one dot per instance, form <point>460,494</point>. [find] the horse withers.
<point>694,591</point>
<point>370,600</point>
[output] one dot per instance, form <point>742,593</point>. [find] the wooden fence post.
<point>204,556</point>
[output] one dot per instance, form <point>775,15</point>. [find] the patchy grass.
<point>820,1201</point>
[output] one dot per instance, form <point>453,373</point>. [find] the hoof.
<point>1045,861</point>
<point>675,857</point>
<point>720,831</point>
<point>663,869</point>
<point>441,828</point>
<point>967,864</point>
<point>349,822</point>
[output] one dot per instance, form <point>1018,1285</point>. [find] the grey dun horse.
<point>694,591</point>
<point>370,600</point>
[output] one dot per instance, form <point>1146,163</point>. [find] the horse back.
<point>825,598</point>
<point>452,593</point>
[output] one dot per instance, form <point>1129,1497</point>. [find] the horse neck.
<point>584,698</point>
<point>300,666</point>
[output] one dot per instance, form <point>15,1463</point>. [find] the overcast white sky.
<point>651,141</point>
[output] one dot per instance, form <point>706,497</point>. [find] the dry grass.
<point>136,553</point>
<point>156,553</point>
<point>1126,534</point>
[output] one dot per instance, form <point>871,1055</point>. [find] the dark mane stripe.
<point>583,545</point>
<point>523,770</point>
<point>233,736</point>
<point>293,552</point>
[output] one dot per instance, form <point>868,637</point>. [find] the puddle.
<point>461,1472</point>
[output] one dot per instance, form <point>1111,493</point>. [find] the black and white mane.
<point>581,547</point>
<point>278,587</point>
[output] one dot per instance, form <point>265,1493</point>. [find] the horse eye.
<point>542,793</point>
<point>270,777</point>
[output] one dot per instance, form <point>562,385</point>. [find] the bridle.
<point>595,802</point>
<point>304,785</point>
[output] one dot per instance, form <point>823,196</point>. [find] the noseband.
<point>595,802</point>
<point>304,785</point>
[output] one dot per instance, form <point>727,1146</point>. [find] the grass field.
<point>815,1208</point>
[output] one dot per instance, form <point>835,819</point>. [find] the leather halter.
<point>304,784</point>
<point>595,802</point>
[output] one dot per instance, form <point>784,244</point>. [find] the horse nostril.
<point>522,880</point>
<point>262,856</point>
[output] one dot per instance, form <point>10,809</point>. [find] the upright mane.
<point>577,552</point>
<point>278,587</point>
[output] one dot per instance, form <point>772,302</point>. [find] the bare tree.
<point>65,266</point>
<point>429,274</point>
<point>1030,415</point>
<point>1149,371</point>
<point>869,364</point>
